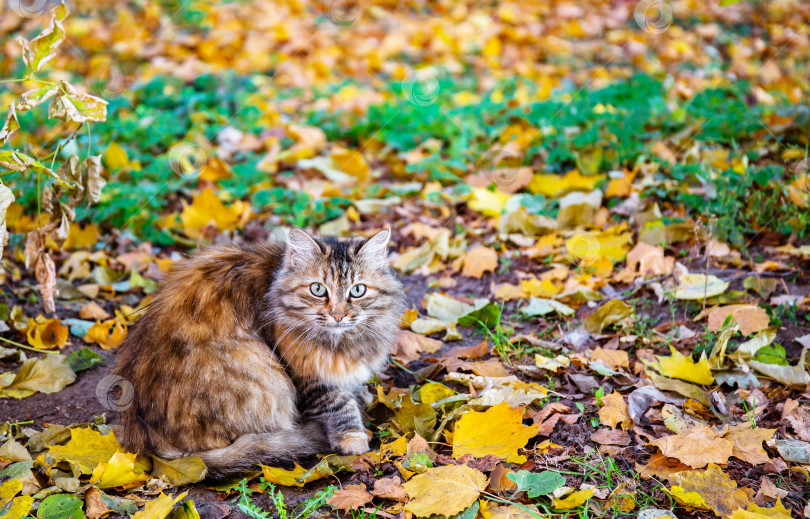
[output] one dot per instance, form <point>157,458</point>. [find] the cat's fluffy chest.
<point>332,367</point>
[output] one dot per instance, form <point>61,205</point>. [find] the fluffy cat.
<point>258,354</point>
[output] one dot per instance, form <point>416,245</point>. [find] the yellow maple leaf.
<point>81,238</point>
<point>215,169</point>
<point>44,333</point>
<point>499,430</point>
<point>573,500</point>
<point>351,162</point>
<point>614,411</point>
<point>115,157</point>
<point>718,491</point>
<point>747,443</point>
<point>87,448</point>
<point>540,288</point>
<point>777,511</point>
<point>486,202</point>
<point>118,471</point>
<point>279,476</point>
<point>207,209</point>
<point>444,490</point>
<point>555,185</point>
<point>13,506</point>
<point>684,368</point>
<point>159,507</point>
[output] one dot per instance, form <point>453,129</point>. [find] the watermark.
<point>501,166</point>
<point>187,158</point>
<point>115,393</point>
<point>28,8</point>
<point>344,12</point>
<point>106,78</point>
<point>421,87</point>
<point>653,16</point>
<point>582,249</point>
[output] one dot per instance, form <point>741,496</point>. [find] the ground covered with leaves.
<point>599,212</point>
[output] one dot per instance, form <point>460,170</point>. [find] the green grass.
<point>282,511</point>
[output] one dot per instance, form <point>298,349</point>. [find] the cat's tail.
<point>247,452</point>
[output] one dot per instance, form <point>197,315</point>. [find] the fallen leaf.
<point>537,484</point>
<point>350,497</point>
<point>696,447</point>
<point>444,490</point>
<point>15,507</point>
<point>716,489</point>
<point>409,346</point>
<point>478,261</point>
<point>751,318</point>
<point>46,375</point>
<point>159,507</point>
<point>499,430</point>
<point>614,411</point>
<point>93,311</point>
<point>613,312</point>
<point>389,488</point>
<point>179,472</point>
<point>613,358</point>
<point>682,367</point>
<point>747,443</point>
<point>777,511</point>
<point>699,286</point>
<point>573,500</point>
<point>108,334</point>
<point>118,471</point>
<point>44,333</point>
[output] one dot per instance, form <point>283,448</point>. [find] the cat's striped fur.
<point>239,362</point>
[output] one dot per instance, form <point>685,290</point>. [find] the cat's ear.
<point>375,250</point>
<point>301,247</point>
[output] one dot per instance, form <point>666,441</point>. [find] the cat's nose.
<point>338,317</point>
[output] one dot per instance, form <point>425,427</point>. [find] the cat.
<point>259,353</point>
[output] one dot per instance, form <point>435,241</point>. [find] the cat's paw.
<point>352,442</point>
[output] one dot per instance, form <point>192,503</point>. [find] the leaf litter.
<point>607,283</point>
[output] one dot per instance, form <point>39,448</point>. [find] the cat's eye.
<point>317,290</point>
<point>358,290</point>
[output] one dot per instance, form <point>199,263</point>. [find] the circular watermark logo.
<point>653,16</point>
<point>28,8</point>
<point>421,87</point>
<point>187,158</point>
<point>344,12</point>
<point>501,166</point>
<point>582,249</point>
<point>106,78</point>
<point>115,393</point>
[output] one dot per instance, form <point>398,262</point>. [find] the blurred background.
<point>316,112</point>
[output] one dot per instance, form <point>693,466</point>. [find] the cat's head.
<point>338,287</point>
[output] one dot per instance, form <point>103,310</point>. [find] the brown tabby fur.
<point>236,352</point>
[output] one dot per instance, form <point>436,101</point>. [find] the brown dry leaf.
<point>646,260</point>
<point>410,346</point>
<point>479,260</point>
<point>390,488</point>
<point>350,497</point>
<point>94,505</point>
<point>660,467</point>
<point>93,311</point>
<point>800,421</point>
<point>696,447</point>
<point>45,273</point>
<point>611,437</point>
<point>718,491</point>
<point>747,443</point>
<point>444,490</point>
<point>751,318</point>
<point>499,430</point>
<point>613,358</point>
<point>614,411</point>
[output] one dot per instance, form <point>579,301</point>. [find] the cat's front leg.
<point>338,411</point>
